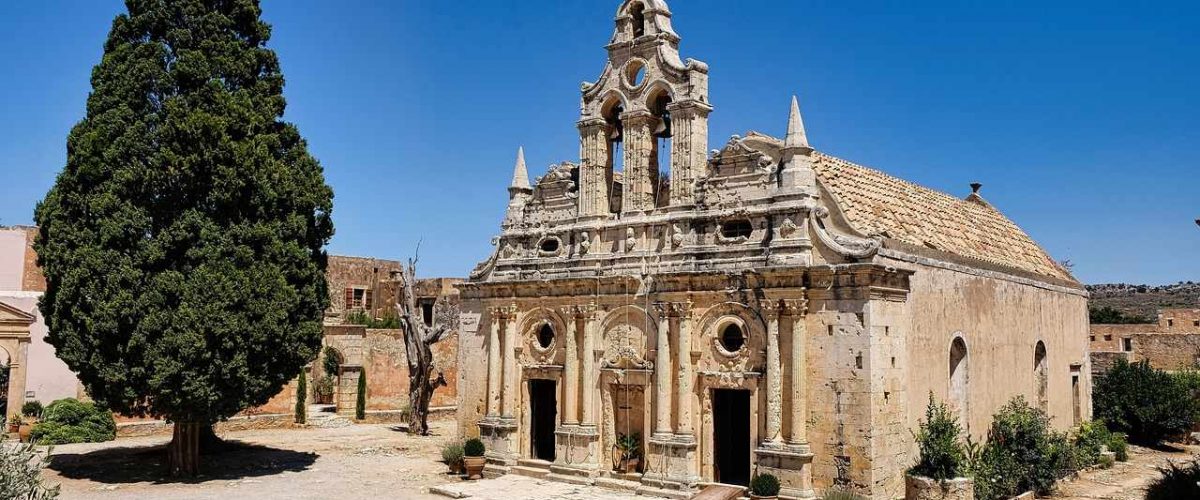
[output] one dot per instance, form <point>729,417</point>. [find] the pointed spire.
<point>520,179</point>
<point>797,138</point>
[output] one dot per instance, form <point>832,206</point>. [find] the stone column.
<point>594,168</point>
<point>689,153</point>
<point>588,314</point>
<point>511,380</point>
<point>639,143</point>
<point>683,424</point>
<point>773,436</point>
<point>571,370</point>
<point>662,374</point>
<point>796,310</point>
<point>493,363</point>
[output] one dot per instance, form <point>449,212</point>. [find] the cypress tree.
<point>183,242</point>
<point>302,399</point>
<point>360,405</point>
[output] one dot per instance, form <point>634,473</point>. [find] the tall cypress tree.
<point>183,243</point>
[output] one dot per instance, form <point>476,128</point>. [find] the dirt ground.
<point>380,461</point>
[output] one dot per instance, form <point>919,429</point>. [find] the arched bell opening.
<point>615,138</point>
<point>660,156</point>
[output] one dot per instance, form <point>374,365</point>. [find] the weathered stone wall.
<point>386,365</point>
<point>1102,361</point>
<point>1179,320</point>
<point>359,272</point>
<point>472,379</point>
<point>1109,337</point>
<point>1167,351</point>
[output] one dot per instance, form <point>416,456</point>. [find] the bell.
<point>663,129</point>
<point>614,134</point>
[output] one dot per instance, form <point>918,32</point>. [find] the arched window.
<point>1041,374</point>
<point>733,338</point>
<point>545,336</point>
<point>959,381</point>
<point>638,13</point>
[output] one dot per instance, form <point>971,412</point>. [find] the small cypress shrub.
<point>941,452</point>
<point>302,399</point>
<point>473,448</point>
<point>360,405</point>
<point>764,485</point>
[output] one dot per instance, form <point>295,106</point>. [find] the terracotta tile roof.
<point>877,203</point>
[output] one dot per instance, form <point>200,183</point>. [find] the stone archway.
<point>348,340</point>
<point>14,340</point>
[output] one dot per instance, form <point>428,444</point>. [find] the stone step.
<point>663,493</point>
<point>527,471</point>
<point>613,483</point>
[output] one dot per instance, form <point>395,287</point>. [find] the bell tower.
<point>646,102</point>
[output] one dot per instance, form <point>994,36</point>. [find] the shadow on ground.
<point>233,460</point>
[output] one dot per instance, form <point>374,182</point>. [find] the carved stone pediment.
<point>625,349</point>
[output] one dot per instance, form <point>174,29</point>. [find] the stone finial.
<point>797,138</point>
<point>520,179</point>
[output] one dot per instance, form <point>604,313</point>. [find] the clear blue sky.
<point>1079,117</point>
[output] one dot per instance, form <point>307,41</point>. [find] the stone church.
<point>763,307</point>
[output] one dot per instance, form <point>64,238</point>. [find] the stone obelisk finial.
<point>797,138</point>
<point>520,178</point>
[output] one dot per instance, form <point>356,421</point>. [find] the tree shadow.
<point>232,460</point>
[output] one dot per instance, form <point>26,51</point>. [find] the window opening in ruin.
<point>1170,323</point>
<point>358,298</point>
<point>545,336</point>
<point>635,73</point>
<point>638,12</point>
<point>1076,399</point>
<point>1041,375</point>
<point>959,381</point>
<point>740,228</point>
<point>732,337</point>
<point>1127,344</point>
<point>427,312</point>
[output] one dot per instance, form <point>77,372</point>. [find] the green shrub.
<point>453,454</point>
<point>1146,404</point>
<point>473,448</point>
<point>1118,445</point>
<point>1091,439</point>
<point>360,404</point>
<point>324,386</point>
<point>72,421</point>
<point>764,485</point>
<point>332,362</point>
<point>20,473</point>
<point>32,409</point>
<point>941,453</point>
<point>1021,454</point>
<point>302,399</point>
<point>1176,482</point>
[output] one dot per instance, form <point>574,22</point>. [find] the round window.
<point>635,73</point>
<point>550,245</point>
<point>545,336</point>
<point>732,337</point>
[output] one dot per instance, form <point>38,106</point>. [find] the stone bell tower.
<point>646,98</point>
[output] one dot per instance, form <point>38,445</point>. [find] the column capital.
<point>504,312</point>
<point>590,123</point>
<point>794,307</point>
<point>770,308</point>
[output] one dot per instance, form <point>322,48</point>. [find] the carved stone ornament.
<point>624,349</point>
<point>788,228</point>
<point>630,240</point>
<point>849,246</point>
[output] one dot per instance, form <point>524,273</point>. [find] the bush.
<point>1118,445</point>
<point>764,485</point>
<point>302,399</point>
<point>941,453</point>
<point>32,409</point>
<point>1176,482</point>
<point>360,404</point>
<point>20,473</point>
<point>473,448</point>
<point>1146,404</point>
<point>324,387</point>
<point>1091,439</point>
<point>453,454</point>
<point>839,494</point>
<point>1021,454</point>
<point>332,362</point>
<point>72,421</point>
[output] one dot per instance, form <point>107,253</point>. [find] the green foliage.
<point>324,386</point>
<point>32,409</point>
<point>941,452</point>
<point>630,445</point>
<point>1021,454</point>
<point>302,399</point>
<point>452,454</point>
<point>20,473</point>
<point>183,242</point>
<point>1176,482</point>
<point>1119,446</point>
<point>1107,315</point>
<point>764,485</point>
<point>840,494</point>
<point>73,421</point>
<point>473,448</point>
<point>1145,403</point>
<point>331,362</point>
<point>1091,439</point>
<point>388,322</point>
<point>360,405</point>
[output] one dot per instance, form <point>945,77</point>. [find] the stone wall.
<point>1171,344</point>
<point>1103,361</point>
<point>386,365</point>
<point>373,275</point>
<point>1109,337</point>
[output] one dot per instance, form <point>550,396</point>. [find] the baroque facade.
<point>763,307</point>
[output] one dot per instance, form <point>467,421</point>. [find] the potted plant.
<point>452,454</point>
<point>764,487</point>
<point>323,389</point>
<point>14,424</point>
<point>24,427</point>
<point>942,461</point>
<point>629,452</point>
<point>473,458</point>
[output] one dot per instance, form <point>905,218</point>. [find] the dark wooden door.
<point>543,415</point>
<point>731,436</point>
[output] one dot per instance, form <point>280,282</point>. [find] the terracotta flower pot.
<point>630,465</point>
<point>24,432</point>
<point>474,467</point>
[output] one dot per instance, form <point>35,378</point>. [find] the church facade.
<point>657,316</point>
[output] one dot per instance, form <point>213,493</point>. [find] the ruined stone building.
<point>1172,343</point>
<point>762,307</point>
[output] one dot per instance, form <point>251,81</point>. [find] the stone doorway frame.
<point>14,340</point>
<point>611,379</point>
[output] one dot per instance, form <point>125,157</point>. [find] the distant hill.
<point>1144,301</point>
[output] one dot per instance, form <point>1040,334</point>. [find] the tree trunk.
<point>420,391</point>
<point>184,451</point>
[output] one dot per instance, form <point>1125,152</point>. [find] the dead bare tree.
<point>419,338</point>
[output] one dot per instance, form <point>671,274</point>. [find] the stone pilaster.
<point>774,431</point>
<point>494,382</point>
<point>595,169</point>
<point>587,314</point>
<point>689,148</point>
<point>796,310</point>
<point>683,386</point>
<point>790,461</point>
<point>498,430</point>
<point>570,415</point>
<point>662,373</point>
<point>511,390</point>
<point>638,185</point>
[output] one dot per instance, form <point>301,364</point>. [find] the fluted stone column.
<point>639,144</point>
<point>689,153</point>
<point>511,380</point>
<point>594,169</point>
<point>683,425</point>
<point>571,370</point>
<point>796,310</point>
<point>773,436</point>
<point>662,374</point>
<point>589,364</point>
<point>493,364</point>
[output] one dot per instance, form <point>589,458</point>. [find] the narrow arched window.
<point>1041,374</point>
<point>638,13</point>
<point>959,381</point>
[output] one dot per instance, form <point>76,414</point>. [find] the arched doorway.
<point>959,381</point>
